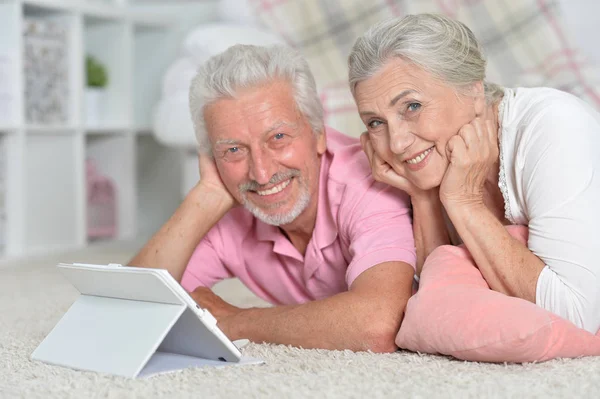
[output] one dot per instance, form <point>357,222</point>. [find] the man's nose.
<point>261,167</point>
<point>400,137</point>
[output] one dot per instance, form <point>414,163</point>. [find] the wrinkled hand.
<point>210,179</point>
<point>383,172</point>
<point>221,310</point>
<point>471,155</point>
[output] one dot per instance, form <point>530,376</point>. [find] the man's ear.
<point>478,93</point>
<point>321,142</point>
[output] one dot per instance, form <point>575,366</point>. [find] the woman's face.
<point>410,116</point>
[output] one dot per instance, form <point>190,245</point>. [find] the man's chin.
<point>274,217</point>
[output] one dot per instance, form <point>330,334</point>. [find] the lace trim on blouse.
<point>502,176</point>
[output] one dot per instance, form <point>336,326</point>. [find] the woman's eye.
<point>374,124</point>
<point>414,106</point>
<point>279,136</point>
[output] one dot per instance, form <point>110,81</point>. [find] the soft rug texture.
<point>33,297</point>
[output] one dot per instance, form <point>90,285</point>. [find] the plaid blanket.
<point>525,41</point>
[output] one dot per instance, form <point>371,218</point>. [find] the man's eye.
<point>414,106</point>
<point>279,136</point>
<point>233,150</point>
<point>374,124</point>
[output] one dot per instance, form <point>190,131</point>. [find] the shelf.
<point>45,190</point>
<point>109,42</point>
<point>50,76</point>
<point>149,22</point>
<point>101,14</point>
<point>50,129</point>
<point>43,8</point>
<point>6,129</point>
<point>156,163</point>
<point>152,57</point>
<point>114,158</point>
<point>106,130</point>
<point>143,131</point>
<point>83,6</point>
<point>3,191</point>
<point>10,64</point>
<point>51,200</point>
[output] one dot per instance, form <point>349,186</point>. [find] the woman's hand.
<point>471,154</point>
<point>384,173</point>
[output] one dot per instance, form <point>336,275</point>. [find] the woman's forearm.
<point>429,225</point>
<point>507,265</point>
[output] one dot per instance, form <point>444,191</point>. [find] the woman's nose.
<point>400,137</point>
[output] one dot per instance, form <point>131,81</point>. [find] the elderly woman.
<point>475,157</point>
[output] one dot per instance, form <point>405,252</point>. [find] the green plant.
<point>96,73</point>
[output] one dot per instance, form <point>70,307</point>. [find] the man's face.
<point>265,151</point>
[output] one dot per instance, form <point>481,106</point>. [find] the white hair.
<point>247,66</point>
<point>443,47</point>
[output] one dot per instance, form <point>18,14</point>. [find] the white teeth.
<point>276,189</point>
<point>419,157</point>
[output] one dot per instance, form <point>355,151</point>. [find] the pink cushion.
<point>455,313</point>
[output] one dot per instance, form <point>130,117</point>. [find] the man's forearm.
<point>350,320</point>
<point>173,245</point>
<point>429,226</point>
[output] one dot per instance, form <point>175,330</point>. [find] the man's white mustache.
<point>277,178</point>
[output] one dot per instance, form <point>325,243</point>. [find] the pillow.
<point>210,39</point>
<point>237,11</point>
<point>172,123</point>
<point>455,313</point>
<point>178,76</point>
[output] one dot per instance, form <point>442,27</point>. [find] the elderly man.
<point>289,208</point>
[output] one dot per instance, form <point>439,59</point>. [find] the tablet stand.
<point>109,335</point>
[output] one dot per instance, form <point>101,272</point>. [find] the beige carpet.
<point>33,296</point>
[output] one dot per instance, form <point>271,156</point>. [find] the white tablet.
<point>196,332</point>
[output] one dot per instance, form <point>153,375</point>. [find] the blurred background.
<point>96,141</point>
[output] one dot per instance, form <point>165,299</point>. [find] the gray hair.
<point>246,66</point>
<point>443,47</point>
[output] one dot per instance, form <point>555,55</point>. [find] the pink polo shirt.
<point>360,224</point>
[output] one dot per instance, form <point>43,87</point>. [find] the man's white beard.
<point>280,219</point>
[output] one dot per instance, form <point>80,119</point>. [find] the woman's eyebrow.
<point>399,96</point>
<point>392,102</point>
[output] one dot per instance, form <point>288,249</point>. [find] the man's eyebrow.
<point>275,126</point>
<point>279,124</point>
<point>399,96</point>
<point>227,141</point>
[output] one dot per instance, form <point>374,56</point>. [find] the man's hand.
<point>367,317</point>
<point>211,182</point>
<point>173,245</point>
<point>221,310</point>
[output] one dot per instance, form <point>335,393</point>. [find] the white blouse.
<point>550,181</point>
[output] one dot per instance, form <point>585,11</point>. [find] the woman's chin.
<point>429,183</point>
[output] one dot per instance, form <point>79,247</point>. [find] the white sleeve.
<point>560,165</point>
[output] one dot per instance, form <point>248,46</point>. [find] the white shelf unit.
<point>43,186</point>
